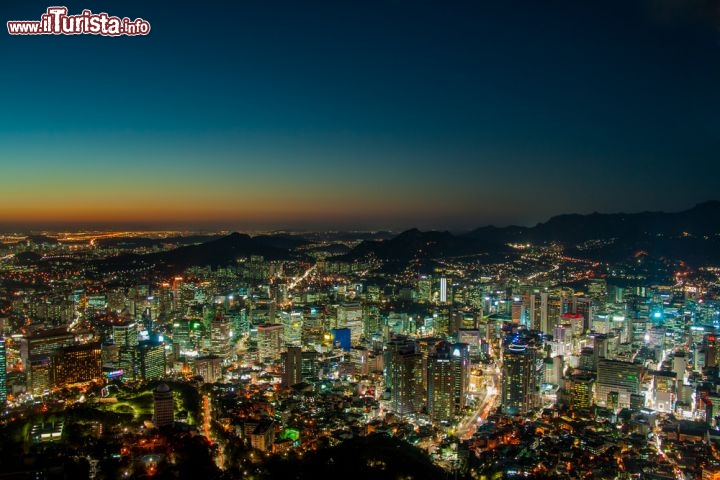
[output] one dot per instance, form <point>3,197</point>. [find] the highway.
<point>296,281</point>
<point>468,425</point>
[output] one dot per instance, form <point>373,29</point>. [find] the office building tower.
<point>448,378</point>
<point>441,384</point>
<point>424,289</point>
<point>76,364</point>
<point>292,323</point>
<point>39,374</point>
<point>582,310</point>
<point>710,346</point>
<point>269,340</point>
<point>553,368</point>
<point>36,352</point>
<point>350,315</point>
<point>443,290</point>
<point>310,366</point>
<point>403,376</point>
<point>220,336</point>
<point>616,381</point>
<point>341,337</point>
<point>517,312</point>
<point>664,391</point>
<point>519,379</point>
<point>581,390</point>
<point>125,334</point>
<point>209,368</point>
<point>151,358</point>
<point>164,406</point>
<point>292,366</point>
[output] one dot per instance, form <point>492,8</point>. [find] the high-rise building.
<point>519,379</point>
<point>151,357</point>
<point>443,290</point>
<point>517,312</point>
<point>125,334</point>
<point>664,391</point>
<point>461,368</point>
<point>310,366</point>
<point>220,336</point>
<point>403,376</point>
<point>128,363</point>
<point>441,383</point>
<point>616,380</point>
<point>269,340</point>
<point>77,363</point>
<point>39,374</point>
<point>341,338</point>
<point>292,323</point>
<point>292,366</point>
<point>36,352</point>
<point>581,390</point>
<point>448,377</point>
<point>164,406</point>
<point>582,310</point>
<point>350,315</point>
<point>209,368</point>
<point>424,289</point>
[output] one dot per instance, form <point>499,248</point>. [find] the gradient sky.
<point>357,114</point>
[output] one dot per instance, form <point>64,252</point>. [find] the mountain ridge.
<point>692,234</point>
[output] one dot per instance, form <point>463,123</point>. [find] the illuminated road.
<point>207,418</point>
<point>467,427</point>
<point>296,281</point>
<point>679,475</point>
<point>554,268</point>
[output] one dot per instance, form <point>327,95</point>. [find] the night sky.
<point>349,114</point>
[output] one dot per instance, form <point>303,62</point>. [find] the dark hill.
<point>692,235</point>
<point>414,245</point>
<point>282,241</point>
<point>221,252</point>
<point>703,219</point>
<point>373,457</point>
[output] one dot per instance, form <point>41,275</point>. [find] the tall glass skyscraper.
<point>519,380</point>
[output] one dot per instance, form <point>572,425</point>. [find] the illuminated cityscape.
<point>283,240</point>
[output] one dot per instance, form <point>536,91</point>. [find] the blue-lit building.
<point>341,337</point>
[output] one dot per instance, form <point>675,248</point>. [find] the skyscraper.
<point>292,366</point>
<point>448,376</point>
<point>292,323</point>
<point>164,406</point>
<point>269,342</point>
<point>125,334</point>
<point>403,376</point>
<point>36,352</point>
<point>152,359</point>
<point>220,335</point>
<point>350,315</point>
<point>443,290</point>
<point>441,383</point>
<point>76,363</point>
<point>616,380</point>
<point>519,380</point>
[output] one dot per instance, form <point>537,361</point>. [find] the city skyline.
<point>380,116</point>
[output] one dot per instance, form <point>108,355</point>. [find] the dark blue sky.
<point>361,114</point>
